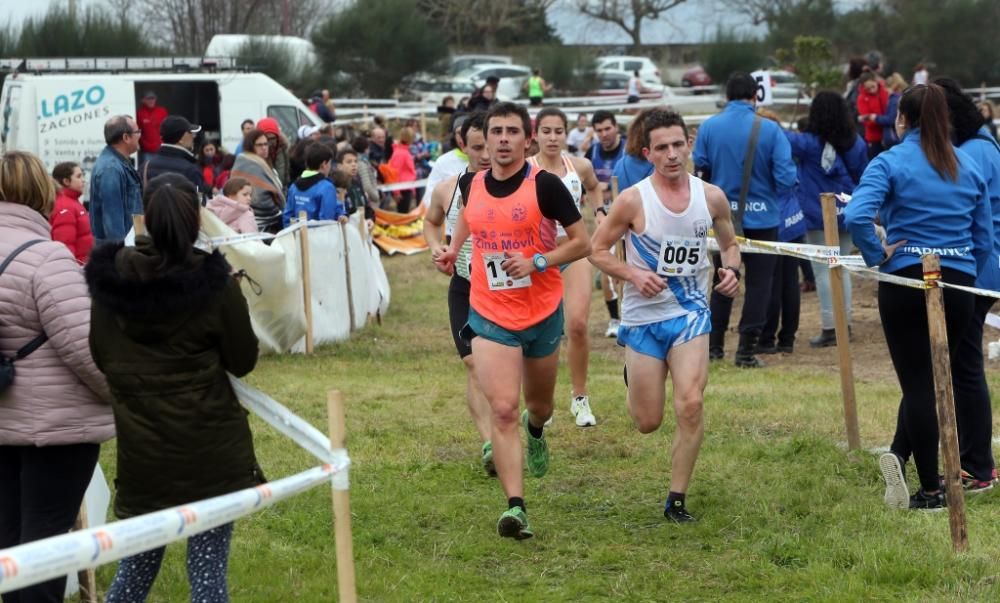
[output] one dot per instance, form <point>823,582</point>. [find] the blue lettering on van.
<point>74,101</point>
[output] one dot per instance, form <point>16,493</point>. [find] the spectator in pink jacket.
<point>232,206</point>
<point>70,220</point>
<point>406,170</point>
<point>55,413</point>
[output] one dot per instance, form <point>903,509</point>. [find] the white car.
<point>649,73</point>
<point>461,62</point>
<point>512,78</point>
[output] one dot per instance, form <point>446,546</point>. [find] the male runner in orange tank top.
<point>516,316</point>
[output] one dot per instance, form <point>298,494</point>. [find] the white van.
<point>56,108</point>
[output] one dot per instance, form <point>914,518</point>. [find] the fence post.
<point>306,278</point>
<point>341,503</point>
<point>941,361</point>
<point>347,271</point>
<point>86,577</point>
<point>832,234</point>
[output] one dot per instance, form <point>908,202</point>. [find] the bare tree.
<point>482,21</point>
<point>627,14</point>
<point>187,26</point>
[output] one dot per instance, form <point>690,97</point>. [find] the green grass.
<point>786,513</point>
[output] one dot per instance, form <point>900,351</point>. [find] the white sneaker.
<point>580,407</point>
<point>612,328</point>
<point>896,494</point>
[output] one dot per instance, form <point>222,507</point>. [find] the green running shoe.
<point>514,524</point>
<point>538,450</point>
<point>488,465</point>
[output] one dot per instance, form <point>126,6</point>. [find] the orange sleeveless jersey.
<point>511,225</point>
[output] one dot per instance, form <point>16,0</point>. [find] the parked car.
<point>785,84</point>
<point>432,90</point>
<point>649,73</point>
<point>512,78</point>
<point>461,62</point>
<point>696,76</point>
<point>616,84</point>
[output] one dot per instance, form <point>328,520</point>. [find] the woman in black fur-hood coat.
<point>165,331</point>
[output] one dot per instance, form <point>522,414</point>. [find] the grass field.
<point>786,513</point>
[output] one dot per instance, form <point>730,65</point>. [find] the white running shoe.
<point>580,407</point>
<point>613,325</point>
<point>896,494</point>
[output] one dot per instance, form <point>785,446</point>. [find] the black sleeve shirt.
<point>554,199</point>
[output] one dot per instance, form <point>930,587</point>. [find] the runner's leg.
<point>576,284</point>
<point>498,371</point>
<point>647,377</point>
<point>540,386</point>
<point>688,364</point>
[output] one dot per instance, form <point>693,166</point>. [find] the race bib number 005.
<point>498,278</point>
<point>680,256</point>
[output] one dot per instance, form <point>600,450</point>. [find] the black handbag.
<point>7,364</point>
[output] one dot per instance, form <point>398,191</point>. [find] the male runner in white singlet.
<point>665,316</point>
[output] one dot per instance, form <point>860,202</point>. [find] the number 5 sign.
<point>763,79</point>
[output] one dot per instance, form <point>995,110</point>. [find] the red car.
<point>695,76</point>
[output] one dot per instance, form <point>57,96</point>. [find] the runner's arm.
<point>624,211</point>
<point>435,216</point>
<point>725,235</point>
<point>591,185</point>
<point>556,203</point>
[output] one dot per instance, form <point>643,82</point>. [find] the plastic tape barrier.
<point>402,186</point>
<point>42,560</point>
<point>854,263</point>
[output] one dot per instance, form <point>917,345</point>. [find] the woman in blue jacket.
<point>831,157</point>
<point>633,167</point>
<point>895,84</point>
<point>930,198</point>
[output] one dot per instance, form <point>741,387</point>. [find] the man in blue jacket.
<point>719,154</point>
<point>313,192</point>
<point>115,188</point>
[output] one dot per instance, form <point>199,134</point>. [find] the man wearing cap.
<point>149,115</point>
<point>175,154</point>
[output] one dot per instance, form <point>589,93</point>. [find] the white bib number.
<point>680,256</point>
<point>498,278</point>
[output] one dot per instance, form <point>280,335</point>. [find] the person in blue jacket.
<point>115,186</point>
<point>786,297</point>
<point>313,192</point>
<point>931,199</point>
<point>972,395</point>
<point>633,167</point>
<point>831,157</point>
<point>719,153</point>
<point>895,85</point>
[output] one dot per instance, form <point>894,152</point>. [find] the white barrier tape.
<point>265,236</point>
<point>42,560</point>
<point>402,186</point>
<point>854,263</point>
<point>285,421</point>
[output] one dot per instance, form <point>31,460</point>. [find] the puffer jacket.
<point>71,224</point>
<point>236,215</point>
<point>165,337</point>
<point>58,396</point>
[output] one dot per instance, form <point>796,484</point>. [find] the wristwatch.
<point>735,271</point>
<point>540,262</point>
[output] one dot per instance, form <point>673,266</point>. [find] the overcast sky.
<point>692,22</point>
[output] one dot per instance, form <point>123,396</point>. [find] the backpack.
<point>7,364</point>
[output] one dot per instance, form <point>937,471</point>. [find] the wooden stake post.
<point>619,285</point>
<point>347,271</point>
<point>832,234</point>
<point>86,577</point>
<point>341,505</point>
<point>941,361</point>
<point>306,279</point>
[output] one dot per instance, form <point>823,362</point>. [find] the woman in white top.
<point>634,86</point>
<point>578,175</point>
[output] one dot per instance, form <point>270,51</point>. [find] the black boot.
<point>745,352</point>
<point>767,346</point>
<point>716,344</point>
<point>827,338</point>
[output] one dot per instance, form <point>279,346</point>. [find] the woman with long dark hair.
<point>168,322</point>
<point>268,190</point>
<point>831,157</point>
<point>930,198</point>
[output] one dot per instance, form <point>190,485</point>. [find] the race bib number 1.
<point>498,278</point>
<point>680,256</point>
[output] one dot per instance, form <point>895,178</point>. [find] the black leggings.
<point>904,320</point>
<point>973,411</point>
<point>785,302</point>
<point>41,489</point>
<point>759,272</point>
